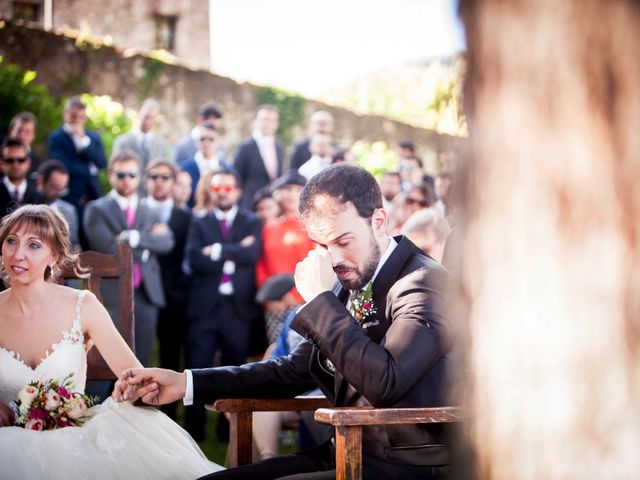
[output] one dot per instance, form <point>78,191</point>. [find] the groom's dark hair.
<point>343,184</point>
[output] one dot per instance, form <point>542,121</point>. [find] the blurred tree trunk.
<point>552,256</point>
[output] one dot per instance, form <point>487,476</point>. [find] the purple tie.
<point>224,226</point>
<point>130,215</point>
<point>16,196</point>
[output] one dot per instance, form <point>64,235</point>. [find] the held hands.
<point>155,386</point>
<point>315,274</point>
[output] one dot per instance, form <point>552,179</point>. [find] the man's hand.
<point>159,229</point>
<point>315,274</point>
<point>247,241</point>
<point>6,415</point>
<point>155,386</point>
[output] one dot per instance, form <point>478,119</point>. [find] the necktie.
<point>145,149</point>
<point>16,196</point>
<point>224,226</point>
<point>130,215</point>
<point>270,158</point>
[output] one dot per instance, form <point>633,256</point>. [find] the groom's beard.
<point>369,269</point>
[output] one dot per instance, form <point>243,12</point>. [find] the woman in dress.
<point>45,331</point>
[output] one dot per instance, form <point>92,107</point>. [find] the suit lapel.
<point>115,212</point>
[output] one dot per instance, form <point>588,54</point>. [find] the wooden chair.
<point>348,423</point>
<point>118,266</point>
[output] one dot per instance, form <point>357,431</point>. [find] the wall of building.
<point>69,69</point>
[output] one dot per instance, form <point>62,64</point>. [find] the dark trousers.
<point>172,336</point>
<point>225,331</point>
<point>318,463</point>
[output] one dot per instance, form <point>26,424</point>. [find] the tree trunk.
<point>552,256</point>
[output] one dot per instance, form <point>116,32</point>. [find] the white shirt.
<point>267,147</point>
<point>207,164</point>
<point>163,208</point>
<point>188,397</point>
<point>11,188</point>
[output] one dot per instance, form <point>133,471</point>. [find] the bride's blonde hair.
<point>50,226</point>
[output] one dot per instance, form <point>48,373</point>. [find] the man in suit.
<point>121,216</point>
<point>206,159</point>
<point>82,153</point>
<point>222,249</point>
<point>379,336</point>
<point>141,140</point>
<point>15,187</point>
<point>320,122</point>
<point>259,158</point>
<point>172,318</point>
<point>187,147</point>
<point>53,183</point>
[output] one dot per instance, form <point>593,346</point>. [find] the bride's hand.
<point>155,386</point>
<point>6,415</point>
<point>123,391</point>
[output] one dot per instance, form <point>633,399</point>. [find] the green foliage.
<point>19,92</point>
<point>153,69</point>
<point>377,157</point>
<point>291,108</point>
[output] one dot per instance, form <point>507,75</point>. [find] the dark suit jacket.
<point>104,220</point>
<point>83,186</point>
<point>251,170</point>
<point>300,154</point>
<point>174,281</point>
<point>208,273</point>
<point>31,195</point>
<point>401,361</point>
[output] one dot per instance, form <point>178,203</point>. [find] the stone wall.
<point>68,69</point>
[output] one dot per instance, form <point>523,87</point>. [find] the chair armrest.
<point>236,405</point>
<point>384,416</point>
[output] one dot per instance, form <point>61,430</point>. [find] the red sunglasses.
<point>222,188</point>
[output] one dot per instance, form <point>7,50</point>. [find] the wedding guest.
<point>121,216</point>
<point>187,146</point>
<point>23,127</point>
<point>82,153</point>
<point>142,140</point>
<point>429,231</point>
<point>222,249</point>
<point>36,315</point>
<point>320,122</point>
<point>265,206</point>
<point>390,186</point>
<point>202,196</point>
<point>207,158</point>
<point>321,148</point>
<point>442,190</point>
<point>397,352</point>
<point>411,172</point>
<point>16,189</point>
<point>182,189</point>
<point>53,183</point>
<point>259,158</point>
<point>172,318</point>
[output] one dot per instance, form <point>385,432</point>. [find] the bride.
<point>45,330</point>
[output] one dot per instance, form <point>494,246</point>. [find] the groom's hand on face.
<point>155,386</point>
<point>315,274</point>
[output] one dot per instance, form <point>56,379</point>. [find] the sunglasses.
<point>12,160</point>
<point>208,139</point>
<point>415,201</point>
<point>123,175</point>
<point>164,178</point>
<point>222,188</point>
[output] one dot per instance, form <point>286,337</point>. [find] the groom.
<point>394,350</point>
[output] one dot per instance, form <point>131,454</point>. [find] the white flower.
<point>51,400</point>
<point>76,408</point>
<point>34,424</point>
<point>27,395</point>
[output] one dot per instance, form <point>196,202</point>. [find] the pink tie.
<point>270,159</point>
<point>130,215</point>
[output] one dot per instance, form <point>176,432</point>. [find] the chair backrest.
<point>118,266</point>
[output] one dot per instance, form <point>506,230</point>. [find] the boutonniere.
<point>362,305</point>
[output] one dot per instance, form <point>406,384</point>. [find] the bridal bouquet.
<point>52,404</point>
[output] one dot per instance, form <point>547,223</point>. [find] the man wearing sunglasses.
<point>121,216</point>
<point>15,188</point>
<point>222,249</point>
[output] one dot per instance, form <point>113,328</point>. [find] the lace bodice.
<point>64,357</point>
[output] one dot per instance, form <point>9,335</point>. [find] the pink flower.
<point>367,305</point>
<point>52,400</point>
<point>34,424</point>
<point>37,413</point>
<point>63,392</point>
<point>27,395</point>
<point>76,408</point>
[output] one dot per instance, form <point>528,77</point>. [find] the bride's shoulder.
<point>72,295</point>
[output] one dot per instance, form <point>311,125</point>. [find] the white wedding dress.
<point>120,441</point>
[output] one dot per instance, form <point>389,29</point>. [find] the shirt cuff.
<point>134,238</point>
<point>216,250</point>
<point>188,395</point>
